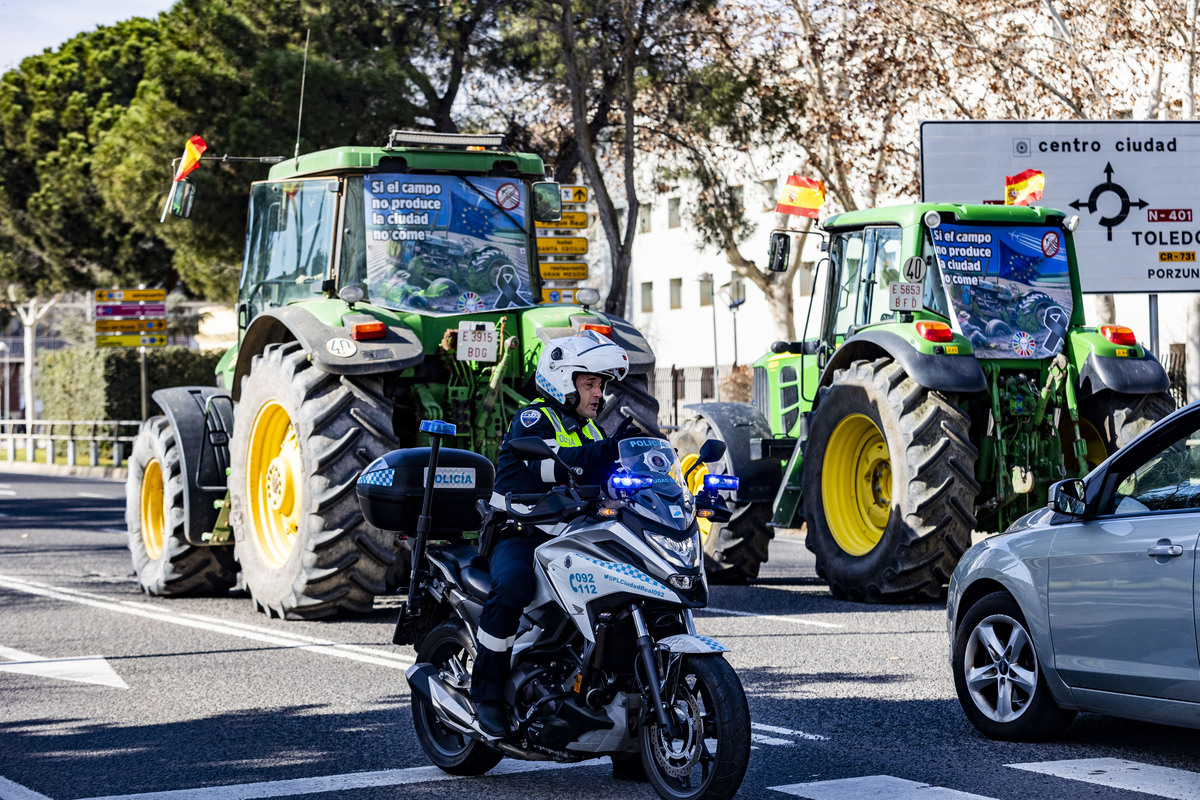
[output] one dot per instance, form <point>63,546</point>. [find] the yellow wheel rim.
<point>274,484</point>
<point>1096,452</point>
<point>695,483</point>
<point>154,523</point>
<point>856,484</point>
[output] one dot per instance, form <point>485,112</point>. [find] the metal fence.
<point>50,441</point>
<point>678,387</point>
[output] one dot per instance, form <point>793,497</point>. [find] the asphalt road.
<point>109,693</point>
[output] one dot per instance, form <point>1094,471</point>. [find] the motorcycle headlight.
<point>683,553</point>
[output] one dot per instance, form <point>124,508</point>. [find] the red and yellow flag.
<point>1024,188</point>
<point>801,196</point>
<point>192,151</point>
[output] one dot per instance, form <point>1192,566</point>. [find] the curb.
<point>34,468</point>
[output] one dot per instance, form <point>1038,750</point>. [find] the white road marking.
<point>874,787</point>
<point>1117,773</point>
<point>10,790</point>
<point>94,496</point>
<point>792,620</point>
<point>8,492</point>
<point>340,783</point>
<point>761,739</point>
<point>816,737</point>
<point>366,655</point>
<point>83,669</point>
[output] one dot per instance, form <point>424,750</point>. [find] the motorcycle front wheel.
<point>708,758</point>
<point>449,648</point>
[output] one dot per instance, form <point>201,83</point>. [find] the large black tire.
<point>1110,420</point>
<point>633,393</point>
<point>889,485</point>
<point>166,565</point>
<point>710,704</point>
<point>301,437</point>
<point>449,750</point>
<point>736,550</point>
<point>1004,694</point>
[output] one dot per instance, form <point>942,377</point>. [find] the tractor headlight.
<point>683,553</point>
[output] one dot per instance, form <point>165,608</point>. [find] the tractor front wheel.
<point>301,438</point>
<point>889,485</point>
<point>165,563</point>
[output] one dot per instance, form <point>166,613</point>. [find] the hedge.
<point>102,383</point>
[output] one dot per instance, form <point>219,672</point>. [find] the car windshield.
<point>438,244</point>
<point>1009,286</point>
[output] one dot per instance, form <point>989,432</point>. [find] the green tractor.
<point>945,380</point>
<point>380,286</point>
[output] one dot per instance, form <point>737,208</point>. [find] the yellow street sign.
<point>575,220</point>
<point>563,271</point>
<point>131,340</point>
<point>131,295</point>
<point>562,245</point>
<point>574,194</point>
<point>130,325</point>
<point>558,295</point>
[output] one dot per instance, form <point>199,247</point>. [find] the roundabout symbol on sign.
<point>1119,191</point>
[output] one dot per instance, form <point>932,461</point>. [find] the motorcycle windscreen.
<point>668,503</point>
<point>1009,287</point>
<point>442,244</point>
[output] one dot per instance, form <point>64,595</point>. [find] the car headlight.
<point>683,553</point>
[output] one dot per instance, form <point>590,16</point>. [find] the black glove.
<point>628,430</point>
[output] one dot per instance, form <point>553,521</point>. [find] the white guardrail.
<point>44,439</point>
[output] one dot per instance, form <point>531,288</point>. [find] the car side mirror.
<point>1068,497</point>
<point>183,197</point>
<point>780,254</point>
<point>547,201</point>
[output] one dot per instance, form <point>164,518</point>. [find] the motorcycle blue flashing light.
<point>716,483</point>
<point>438,428</point>
<point>623,484</point>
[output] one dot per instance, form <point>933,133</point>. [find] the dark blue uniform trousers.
<point>513,587</point>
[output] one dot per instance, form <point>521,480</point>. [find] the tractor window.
<point>935,294</point>
<point>884,270</point>
<point>289,235</point>
<point>845,258</point>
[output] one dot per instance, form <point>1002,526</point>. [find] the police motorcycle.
<point>607,660</point>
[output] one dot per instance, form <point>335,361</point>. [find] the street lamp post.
<point>7,376</point>
<point>735,293</point>
<point>706,279</point>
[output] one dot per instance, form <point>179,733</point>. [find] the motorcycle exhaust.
<point>452,709</point>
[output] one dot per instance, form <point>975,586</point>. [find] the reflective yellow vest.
<point>561,436</point>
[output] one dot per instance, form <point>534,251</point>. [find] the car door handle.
<point>1164,550</point>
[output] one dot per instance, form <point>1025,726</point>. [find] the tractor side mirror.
<point>547,201</point>
<point>781,247</point>
<point>183,197</point>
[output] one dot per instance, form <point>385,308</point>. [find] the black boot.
<point>492,718</point>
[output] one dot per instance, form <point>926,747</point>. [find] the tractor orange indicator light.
<point>368,330</point>
<point>1118,334</point>
<point>604,330</point>
<point>934,331</point>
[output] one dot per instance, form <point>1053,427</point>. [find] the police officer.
<point>571,375</point>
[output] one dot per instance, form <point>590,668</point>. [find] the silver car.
<point>1089,604</point>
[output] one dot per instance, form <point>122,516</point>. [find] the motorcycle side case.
<point>391,490</point>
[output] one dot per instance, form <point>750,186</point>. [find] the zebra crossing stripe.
<point>1117,773</point>
<point>874,787</point>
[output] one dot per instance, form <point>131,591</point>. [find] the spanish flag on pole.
<point>801,196</point>
<point>192,151</point>
<point>1024,188</point>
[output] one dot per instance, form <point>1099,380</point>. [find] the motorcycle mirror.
<point>530,448</point>
<point>710,451</point>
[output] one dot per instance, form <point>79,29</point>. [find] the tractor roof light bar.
<point>428,138</point>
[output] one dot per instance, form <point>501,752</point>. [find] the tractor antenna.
<point>300,111</point>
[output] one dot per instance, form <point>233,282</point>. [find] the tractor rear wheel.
<point>633,394</point>
<point>1110,420</point>
<point>301,437</point>
<point>889,485</point>
<point>733,551</point>
<point>165,563</point>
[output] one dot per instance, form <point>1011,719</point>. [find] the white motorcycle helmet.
<point>563,359</point>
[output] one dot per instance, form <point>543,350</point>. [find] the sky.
<point>28,27</point>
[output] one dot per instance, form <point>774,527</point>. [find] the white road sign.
<point>1133,185</point>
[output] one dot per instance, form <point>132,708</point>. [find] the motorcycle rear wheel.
<point>448,749</point>
<point>709,760</point>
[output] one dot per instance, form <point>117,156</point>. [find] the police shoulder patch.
<point>530,416</point>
